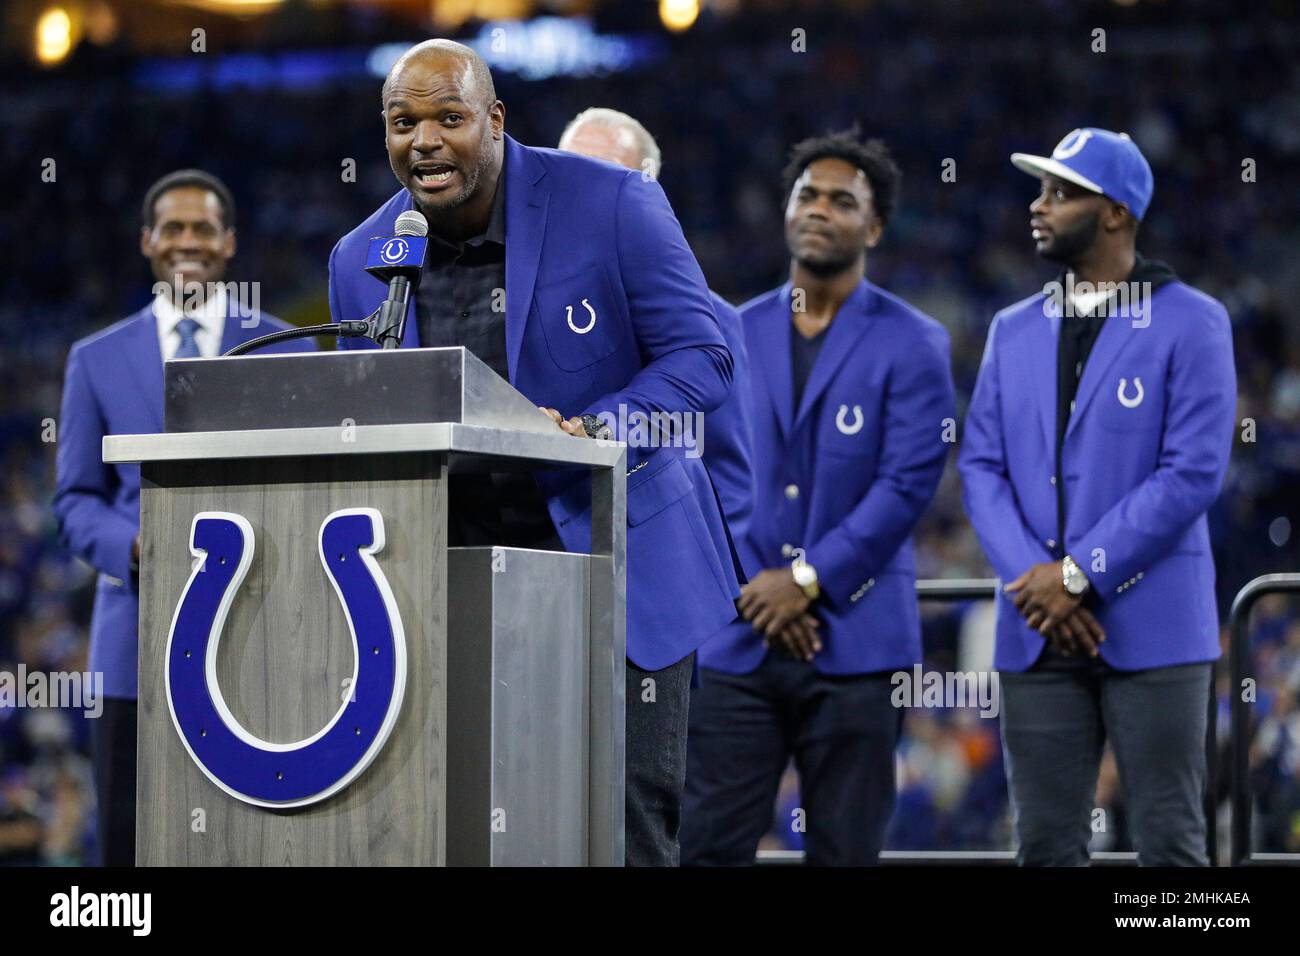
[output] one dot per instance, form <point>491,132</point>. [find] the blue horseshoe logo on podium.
<point>258,771</point>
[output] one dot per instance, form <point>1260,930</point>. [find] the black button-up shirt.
<point>461,301</point>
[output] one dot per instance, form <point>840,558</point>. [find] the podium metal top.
<point>362,402</point>
<point>333,389</point>
<point>555,448</point>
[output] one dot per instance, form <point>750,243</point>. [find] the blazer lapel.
<point>144,356</point>
<point>850,322</point>
<point>1114,337</point>
<point>526,203</point>
<point>768,340</point>
<point>1040,361</point>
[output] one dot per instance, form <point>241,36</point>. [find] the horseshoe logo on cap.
<point>1124,400</point>
<point>844,427</point>
<point>1074,141</point>
<point>589,326</point>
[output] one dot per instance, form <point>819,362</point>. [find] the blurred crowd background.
<point>284,93</point>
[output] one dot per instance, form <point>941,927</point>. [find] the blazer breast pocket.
<point>847,429</point>
<point>1131,400</point>
<point>579,318</point>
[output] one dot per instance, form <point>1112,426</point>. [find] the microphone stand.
<point>386,325</point>
<point>351,329</point>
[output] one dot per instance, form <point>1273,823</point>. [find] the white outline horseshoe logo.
<point>1130,402</point>
<point>1073,142</point>
<point>858,420</point>
<point>394,250</point>
<point>589,326</point>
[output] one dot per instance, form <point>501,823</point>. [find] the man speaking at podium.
<point>571,279</point>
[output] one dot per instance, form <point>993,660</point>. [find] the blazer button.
<point>1051,542</point>
<point>792,492</point>
<point>787,550</point>
<point>1052,479</point>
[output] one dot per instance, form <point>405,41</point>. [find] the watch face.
<point>1075,583</point>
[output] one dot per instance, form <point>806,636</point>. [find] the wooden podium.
<point>504,743</point>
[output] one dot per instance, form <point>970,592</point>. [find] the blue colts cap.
<point>1099,161</point>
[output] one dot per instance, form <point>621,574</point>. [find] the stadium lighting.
<point>54,36</point>
<point>678,15</point>
<point>232,6</point>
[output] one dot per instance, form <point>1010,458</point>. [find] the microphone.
<point>398,260</point>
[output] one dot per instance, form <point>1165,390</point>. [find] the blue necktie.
<point>189,348</point>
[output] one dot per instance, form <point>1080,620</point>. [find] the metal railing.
<point>1240,853</point>
<point>965,589</point>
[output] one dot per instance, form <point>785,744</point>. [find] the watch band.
<point>595,428</point>
<point>1073,579</point>
<point>805,578</point>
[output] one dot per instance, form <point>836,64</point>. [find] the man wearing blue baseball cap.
<point>1097,438</point>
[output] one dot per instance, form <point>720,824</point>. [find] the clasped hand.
<point>1058,615</point>
<point>777,608</point>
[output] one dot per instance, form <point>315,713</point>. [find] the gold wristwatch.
<point>1076,583</point>
<point>805,575</point>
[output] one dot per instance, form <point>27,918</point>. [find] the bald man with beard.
<point>606,319</point>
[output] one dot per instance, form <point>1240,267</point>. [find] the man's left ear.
<point>228,246</point>
<point>1117,216</point>
<point>498,114</point>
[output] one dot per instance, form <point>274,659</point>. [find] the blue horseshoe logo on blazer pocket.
<point>295,774</point>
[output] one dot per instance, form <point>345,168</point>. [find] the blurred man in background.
<point>851,396</point>
<point>114,385</point>
<point>618,138</point>
<point>1097,438</point>
<point>607,318</point>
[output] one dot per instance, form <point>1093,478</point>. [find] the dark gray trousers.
<point>841,731</point>
<point>1054,725</point>
<point>112,753</point>
<point>658,707</point>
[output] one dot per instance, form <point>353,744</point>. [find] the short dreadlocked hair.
<point>871,156</point>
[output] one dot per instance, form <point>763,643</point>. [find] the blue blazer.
<point>846,475</point>
<point>1141,468</point>
<point>587,241</point>
<point>729,432</point>
<point>114,386</point>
